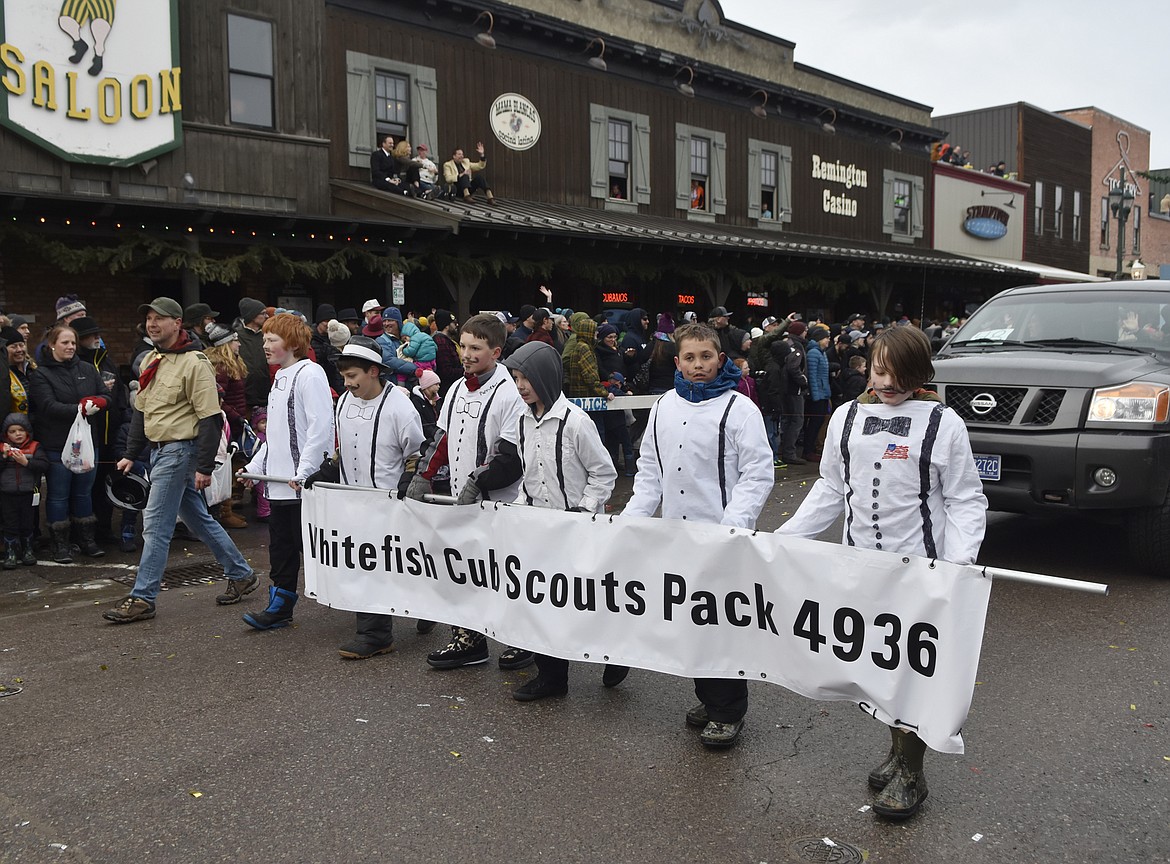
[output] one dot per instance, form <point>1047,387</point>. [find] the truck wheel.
<point>1148,532</point>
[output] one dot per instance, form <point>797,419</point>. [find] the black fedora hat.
<point>128,491</point>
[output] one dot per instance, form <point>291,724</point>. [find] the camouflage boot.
<point>904,794</point>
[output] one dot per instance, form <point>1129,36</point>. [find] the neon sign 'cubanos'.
<point>93,81</point>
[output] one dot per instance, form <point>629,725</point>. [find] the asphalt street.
<point>194,738</point>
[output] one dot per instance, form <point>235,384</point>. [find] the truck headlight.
<point>1132,403</point>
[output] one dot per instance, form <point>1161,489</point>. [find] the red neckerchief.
<point>472,382</point>
<point>148,373</point>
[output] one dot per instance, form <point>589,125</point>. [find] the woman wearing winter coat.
<point>59,387</point>
<point>223,350</point>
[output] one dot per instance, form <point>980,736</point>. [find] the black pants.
<point>816,412</point>
<point>553,668</point>
<point>474,183</point>
<point>726,698</point>
<point>791,421</point>
<point>17,513</point>
<point>284,544</point>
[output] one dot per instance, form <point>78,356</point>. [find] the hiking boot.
<point>279,612</point>
<point>539,688</point>
<point>28,556</point>
<point>466,648</point>
<point>363,648</point>
<point>130,609</point>
<point>236,589</point>
<point>720,735</point>
<point>516,658</point>
<point>614,675</point>
<point>424,627</point>
<point>697,716</point>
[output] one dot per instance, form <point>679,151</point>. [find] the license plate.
<point>988,466</point>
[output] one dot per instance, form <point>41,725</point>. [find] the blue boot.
<point>279,612</point>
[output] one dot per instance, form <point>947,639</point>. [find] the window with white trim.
<point>902,206</point>
<point>619,157</point>
<point>700,171</point>
<point>1058,212</point>
<point>374,101</point>
<point>769,182</point>
<point>1104,241</point>
<point>1038,209</point>
<point>1076,215</point>
<point>1137,230</point>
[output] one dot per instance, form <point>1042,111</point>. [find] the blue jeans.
<point>772,427</point>
<point>173,494</point>
<point>69,494</point>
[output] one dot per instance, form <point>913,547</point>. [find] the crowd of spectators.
<point>406,170</point>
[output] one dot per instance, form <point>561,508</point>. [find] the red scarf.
<point>151,369</point>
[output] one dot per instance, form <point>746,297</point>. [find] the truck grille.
<point>1047,407</point>
<point>1007,401</point>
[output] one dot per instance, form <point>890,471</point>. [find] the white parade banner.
<point>899,636</point>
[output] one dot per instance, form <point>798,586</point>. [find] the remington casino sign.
<point>92,80</point>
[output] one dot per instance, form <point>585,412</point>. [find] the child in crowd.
<point>703,416</point>
<point>377,430</point>
<point>301,437</point>
<point>477,435</point>
<point>418,345</point>
<point>425,398</point>
<point>580,477</point>
<point>852,379</point>
<point>22,465</point>
<point>898,465</point>
<point>747,384</point>
<point>259,426</point>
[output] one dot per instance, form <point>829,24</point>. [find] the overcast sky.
<point>961,56</point>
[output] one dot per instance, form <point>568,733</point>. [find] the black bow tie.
<point>899,426</point>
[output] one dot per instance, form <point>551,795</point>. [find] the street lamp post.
<point>1120,202</point>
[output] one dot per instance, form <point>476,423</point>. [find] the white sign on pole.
<point>899,636</point>
<point>398,288</point>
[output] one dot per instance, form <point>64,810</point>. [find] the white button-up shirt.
<point>565,463</point>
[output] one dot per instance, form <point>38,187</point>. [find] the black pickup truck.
<point>1065,390</point>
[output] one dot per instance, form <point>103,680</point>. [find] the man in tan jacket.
<point>466,176</point>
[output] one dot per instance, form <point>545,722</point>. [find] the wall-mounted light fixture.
<point>761,110</point>
<point>827,125</point>
<point>597,62</point>
<point>1011,196</point>
<point>896,143</point>
<point>684,87</point>
<point>486,39</point>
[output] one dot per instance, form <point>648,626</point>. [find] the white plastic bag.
<point>220,489</point>
<point>78,454</point>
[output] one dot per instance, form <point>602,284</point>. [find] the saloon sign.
<point>92,81</point>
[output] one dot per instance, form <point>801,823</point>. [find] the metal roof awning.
<point>1045,271</point>
<point>587,223</point>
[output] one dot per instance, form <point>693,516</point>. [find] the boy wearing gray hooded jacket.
<point>579,476</point>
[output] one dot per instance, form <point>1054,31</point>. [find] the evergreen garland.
<point>140,250</point>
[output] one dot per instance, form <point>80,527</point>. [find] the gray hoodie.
<point>540,363</point>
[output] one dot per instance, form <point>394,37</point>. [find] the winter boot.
<point>630,463</point>
<point>59,537</point>
<point>28,557</point>
<point>129,542</point>
<point>279,612</point>
<point>86,527</point>
<point>228,518</point>
<point>904,794</point>
<point>11,544</point>
<point>374,635</point>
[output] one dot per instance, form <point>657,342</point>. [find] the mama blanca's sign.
<point>898,636</point>
<point>92,80</point>
<point>515,121</point>
<point>848,177</point>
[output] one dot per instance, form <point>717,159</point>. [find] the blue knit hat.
<point>392,313</point>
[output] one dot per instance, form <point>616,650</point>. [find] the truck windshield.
<point>1090,320</point>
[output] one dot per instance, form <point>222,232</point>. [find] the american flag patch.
<point>897,451</point>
